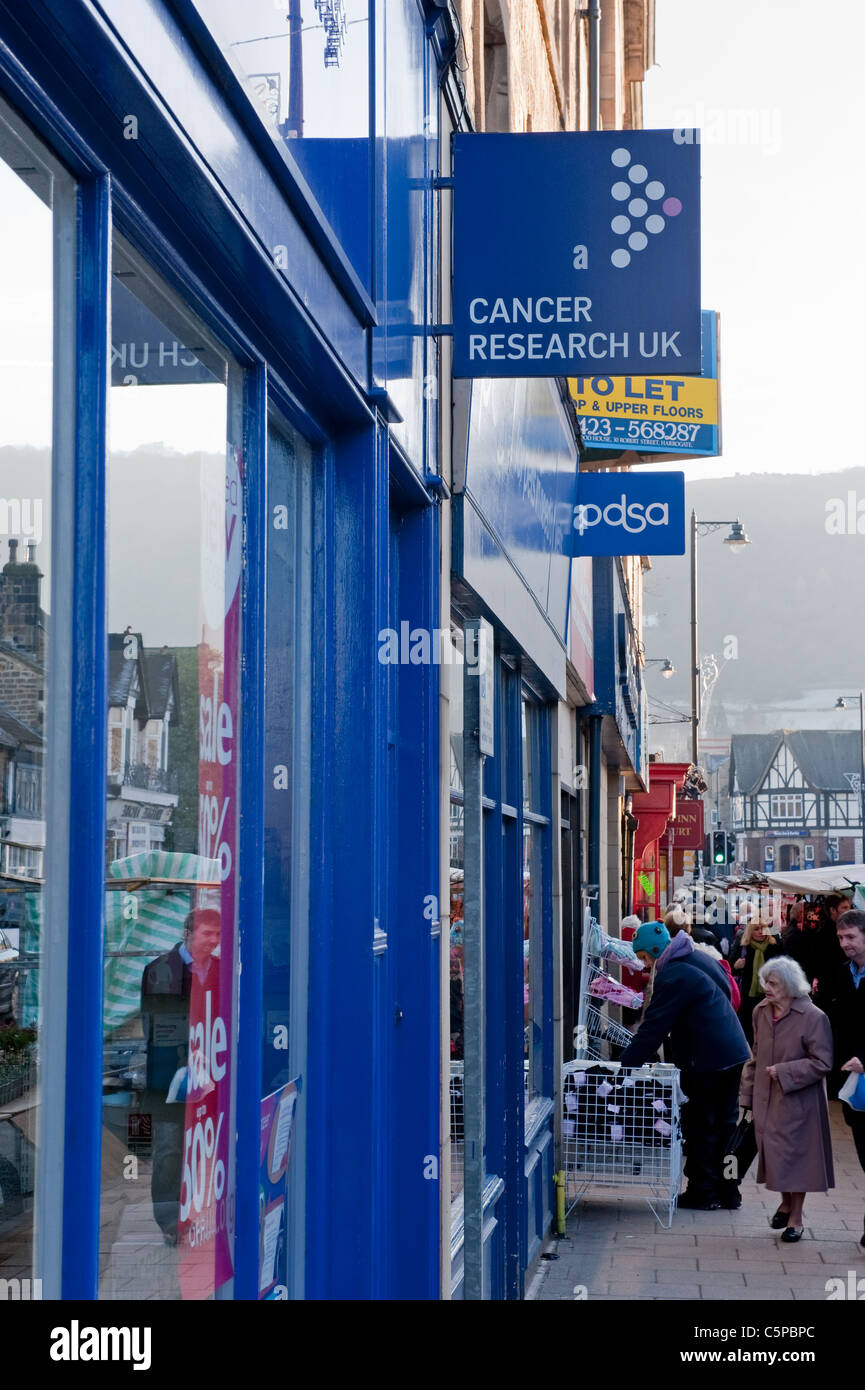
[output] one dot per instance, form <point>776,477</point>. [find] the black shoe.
<point>778,1222</point>
<point>792,1234</point>
<point>731,1201</point>
<point>693,1201</point>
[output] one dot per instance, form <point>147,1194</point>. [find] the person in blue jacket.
<point>691,1006</point>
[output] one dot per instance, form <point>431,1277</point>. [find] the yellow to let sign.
<point>691,399</point>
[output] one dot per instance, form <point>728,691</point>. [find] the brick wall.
<point>21,689</point>
<point>526,62</point>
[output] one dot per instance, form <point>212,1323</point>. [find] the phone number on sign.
<point>637,431</point>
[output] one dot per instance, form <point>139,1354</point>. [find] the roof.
<point>750,759</point>
<point>163,688</point>
<point>14,733</point>
<point>122,671</point>
<point>155,671</point>
<point>824,756</point>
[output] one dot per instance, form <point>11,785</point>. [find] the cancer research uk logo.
<point>648,207</point>
<point>576,252</point>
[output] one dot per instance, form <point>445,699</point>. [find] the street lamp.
<point>736,540</point>
<point>667,667</point>
<point>841,703</point>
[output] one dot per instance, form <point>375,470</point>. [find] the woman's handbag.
<point>742,1147</point>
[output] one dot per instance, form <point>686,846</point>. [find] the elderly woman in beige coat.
<point>784,1085</point>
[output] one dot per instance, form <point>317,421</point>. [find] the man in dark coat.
<point>821,957</point>
<point>691,1004</point>
<point>166,987</point>
<point>845,1005</point>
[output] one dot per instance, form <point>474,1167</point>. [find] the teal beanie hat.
<point>651,937</point>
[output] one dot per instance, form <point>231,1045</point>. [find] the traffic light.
<point>719,847</point>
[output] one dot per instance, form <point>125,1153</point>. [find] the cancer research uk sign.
<point>576,253</point>
<point>628,514</point>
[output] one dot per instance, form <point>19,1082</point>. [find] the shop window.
<point>535,833</point>
<point>457,876</point>
<point>305,68</point>
<point>36,199</point>
<point>175,483</point>
<point>285,974</point>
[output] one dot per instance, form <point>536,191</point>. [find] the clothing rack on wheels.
<point>621,1126</point>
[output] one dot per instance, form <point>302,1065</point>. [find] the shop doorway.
<point>789,857</point>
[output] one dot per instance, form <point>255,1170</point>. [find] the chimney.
<point>21,616</point>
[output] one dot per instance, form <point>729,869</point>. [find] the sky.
<point>775,86</point>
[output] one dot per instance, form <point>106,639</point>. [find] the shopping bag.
<point>853,1091</point>
<point>742,1147</point>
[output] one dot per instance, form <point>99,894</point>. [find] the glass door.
<point>175,485</point>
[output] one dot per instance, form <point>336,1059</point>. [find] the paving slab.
<point>619,1251</point>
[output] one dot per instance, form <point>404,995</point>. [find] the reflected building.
<point>22,678</point>
<point>143,704</point>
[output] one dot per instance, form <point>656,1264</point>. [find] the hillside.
<point>792,600</point>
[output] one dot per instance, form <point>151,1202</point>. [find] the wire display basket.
<point>621,1129</point>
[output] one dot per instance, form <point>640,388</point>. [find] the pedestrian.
<point>676,920</point>
<point>168,985</point>
<point>757,945</point>
<point>691,1004</point>
<point>824,956</point>
<point>846,1006</point>
<point>792,931</point>
<point>784,1085</point>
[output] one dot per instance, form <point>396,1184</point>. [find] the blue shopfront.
<point>514,477</point>
<point>615,726</point>
<point>219,1056</point>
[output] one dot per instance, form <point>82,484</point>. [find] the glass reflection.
<point>457,877</point>
<point>305,66</point>
<point>174,514</point>
<point>27,289</point>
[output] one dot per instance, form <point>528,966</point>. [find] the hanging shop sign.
<point>685,831</point>
<point>629,514</point>
<point>576,253</point>
<point>655,414</point>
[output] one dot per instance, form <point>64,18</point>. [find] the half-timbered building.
<point>795,798</point>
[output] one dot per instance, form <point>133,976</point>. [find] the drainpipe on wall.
<point>595,724</point>
<point>595,65</point>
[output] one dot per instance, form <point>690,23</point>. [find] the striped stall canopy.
<point>148,897</point>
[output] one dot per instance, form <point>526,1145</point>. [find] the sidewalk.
<point>617,1250</point>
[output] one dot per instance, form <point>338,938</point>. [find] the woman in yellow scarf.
<point>758,944</point>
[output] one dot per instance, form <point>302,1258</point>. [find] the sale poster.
<point>206,1226</point>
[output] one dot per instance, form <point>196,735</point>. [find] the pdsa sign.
<point>576,254</point>
<point>629,514</point>
<point>653,414</point>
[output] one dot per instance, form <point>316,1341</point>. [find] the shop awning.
<point>835,878</point>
